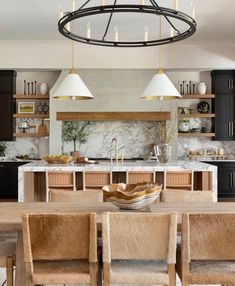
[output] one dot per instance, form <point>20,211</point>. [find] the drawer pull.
<point>1,166</point>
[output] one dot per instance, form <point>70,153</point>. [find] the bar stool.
<point>60,248</point>
<point>78,196</point>
<point>60,180</point>
<point>180,196</point>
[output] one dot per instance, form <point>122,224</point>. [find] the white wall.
<point>57,55</point>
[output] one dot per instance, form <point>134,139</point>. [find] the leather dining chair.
<point>139,248</point>
<point>60,248</point>
<point>182,196</point>
<point>7,258</point>
<point>207,254</point>
<point>78,196</point>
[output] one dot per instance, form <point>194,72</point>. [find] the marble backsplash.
<point>35,147</point>
<point>134,138</point>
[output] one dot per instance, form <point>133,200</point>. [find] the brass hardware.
<point>229,128</point>
<point>232,128</point>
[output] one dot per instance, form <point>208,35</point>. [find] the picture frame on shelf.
<point>26,107</point>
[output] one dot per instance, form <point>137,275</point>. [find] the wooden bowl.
<point>55,160</point>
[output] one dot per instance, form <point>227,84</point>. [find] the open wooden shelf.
<point>30,115</point>
<point>30,96</point>
<point>28,135</point>
<point>197,96</point>
<point>197,115</point>
<point>196,134</point>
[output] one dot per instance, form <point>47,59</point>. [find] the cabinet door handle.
<point>229,128</point>
<point>232,128</point>
<point>229,84</point>
<point>1,166</point>
<point>232,83</point>
<point>230,180</point>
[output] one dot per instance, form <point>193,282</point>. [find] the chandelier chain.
<point>154,3</point>
<point>109,21</point>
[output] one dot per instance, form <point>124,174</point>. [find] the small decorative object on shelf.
<point>45,108</point>
<point>35,87</point>
<point>203,107</point>
<point>43,88</point>
<point>26,107</point>
<point>24,87</point>
<point>184,125</point>
<point>39,108</point>
<point>186,87</point>
<point>42,129</point>
<point>201,88</point>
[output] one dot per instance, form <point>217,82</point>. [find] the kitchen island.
<point>190,175</point>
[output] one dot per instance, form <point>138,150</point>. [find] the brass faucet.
<point>114,143</point>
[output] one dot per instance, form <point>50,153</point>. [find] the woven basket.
<point>53,160</point>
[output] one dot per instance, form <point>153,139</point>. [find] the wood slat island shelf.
<point>32,176</point>
<point>198,96</point>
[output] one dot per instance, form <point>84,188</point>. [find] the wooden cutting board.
<point>42,129</point>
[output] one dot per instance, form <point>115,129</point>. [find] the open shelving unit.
<point>34,98</point>
<point>197,115</point>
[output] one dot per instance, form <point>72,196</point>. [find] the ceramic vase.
<point>43,88</point>
<point>202,88</point>
<point>184,126</point>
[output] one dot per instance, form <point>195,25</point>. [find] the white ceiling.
<point>37,20</point>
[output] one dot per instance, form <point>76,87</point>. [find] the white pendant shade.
<point>160,87</point>
<point>73,88</point>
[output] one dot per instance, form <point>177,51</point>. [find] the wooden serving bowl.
<point>54,160</point>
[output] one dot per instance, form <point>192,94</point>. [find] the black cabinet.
<point>223,105</point>
<point>226,178</point>
<point>7,89</point>
<point>9,179</point>
<point>224,117</point>
<point>223,81</point>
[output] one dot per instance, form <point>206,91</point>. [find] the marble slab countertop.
<point>42,166</point>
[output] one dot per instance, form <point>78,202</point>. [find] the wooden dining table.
<point>11,213</point>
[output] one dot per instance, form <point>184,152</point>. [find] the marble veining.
<point>134,138</point>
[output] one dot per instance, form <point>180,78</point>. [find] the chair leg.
<point>172,274</point>
<point>9,270</point>
<point>106,274</point>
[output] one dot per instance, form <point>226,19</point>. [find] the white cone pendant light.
<point>73,88</point>
<point>160,87</point>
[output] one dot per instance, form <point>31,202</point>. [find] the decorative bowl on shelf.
<point>131,196</point>
<point>58,159</point>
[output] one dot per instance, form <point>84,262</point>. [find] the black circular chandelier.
<point>152,9</point>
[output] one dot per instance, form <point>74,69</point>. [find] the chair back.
<point>59,236</point>
<point>78,196</point>
<point>139,236</point>
<point>208,236</point>
<point>182,196</point>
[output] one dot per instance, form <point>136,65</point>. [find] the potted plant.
<point>75,131</point>
<point>3,147</point>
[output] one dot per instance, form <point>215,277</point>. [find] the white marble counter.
<point>42,166</point>
<point>151,166</point>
